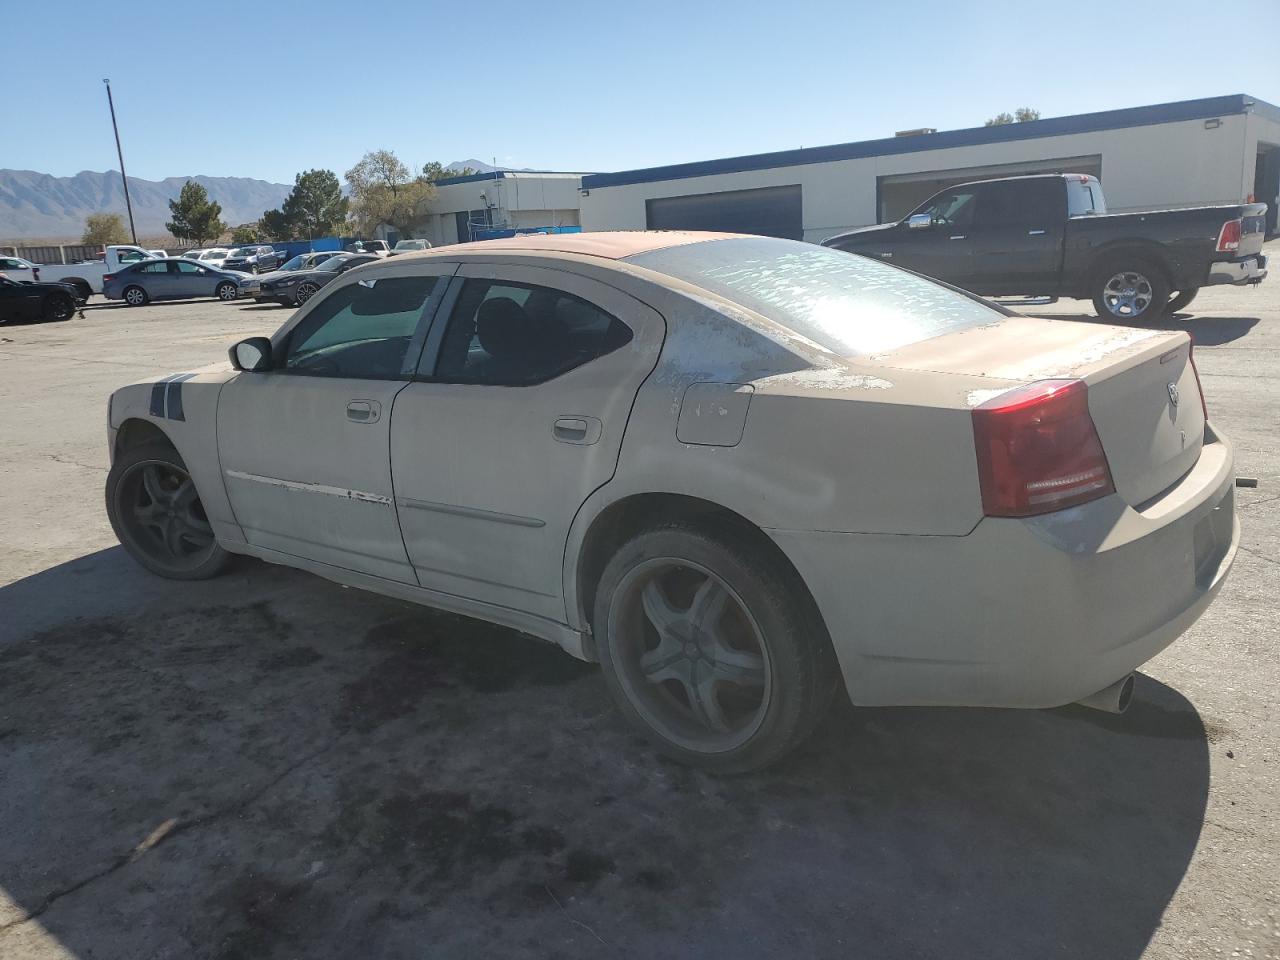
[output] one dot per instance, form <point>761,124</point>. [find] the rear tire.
<point>1181,299</point>
<point>156,513</point>
<point>83,290</point>
<point>1130,290</point>
<point>711,648</point>
<point>135,296</point>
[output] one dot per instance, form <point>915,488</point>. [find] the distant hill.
<point>38,206</point>
<point>479,166</point>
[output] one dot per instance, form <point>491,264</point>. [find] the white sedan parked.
<point>731,469</point>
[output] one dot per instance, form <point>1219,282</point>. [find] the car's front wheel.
<point>227,291</point>
<point>59,306</point>
<point>155,510</point>
<point>711,648</point>
<point>305,292</point>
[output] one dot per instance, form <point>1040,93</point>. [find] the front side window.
<point>186,266</point>
<point>132,256</point>
<point>362,330</point>
<point>514,334</point>
<point>954,208</point>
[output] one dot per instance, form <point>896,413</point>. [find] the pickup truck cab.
<point>87,277</point>
<point>1051,236</point>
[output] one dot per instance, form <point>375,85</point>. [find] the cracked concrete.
<point>270,766</point>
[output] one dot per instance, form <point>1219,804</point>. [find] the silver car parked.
<point>171,279</point>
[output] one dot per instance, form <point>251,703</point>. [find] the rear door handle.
<point>1035,233</point>
<point>958,236</point>
<point>364,411</point>
<point>583,430</point>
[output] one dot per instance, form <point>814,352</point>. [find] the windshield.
<point>214,254</point>
<point>409,245</point>
<point>296,263</point>
<point>849,304</point>
<point>242,252</point>
<point>333,263</point>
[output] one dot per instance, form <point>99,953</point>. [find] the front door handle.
<point>583,430</point>
<point>1035,233</point>
<point>364,411</point>
<point>958,236</point>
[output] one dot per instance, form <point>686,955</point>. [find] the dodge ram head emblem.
<point>1173,394</point>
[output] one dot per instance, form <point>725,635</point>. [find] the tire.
<point>158,518</point>
<point>304,293</point>
<point>226,291</point>
<point>135,296</point>
<point>1180,299</point>
<point>1130,290</point>
<point>83,290</point>
<point>742,668</point>
<point>58,306</point>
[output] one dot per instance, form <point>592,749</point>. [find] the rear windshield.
<point>845,302</point>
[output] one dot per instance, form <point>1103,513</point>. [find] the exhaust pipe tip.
<point>1113,699</point>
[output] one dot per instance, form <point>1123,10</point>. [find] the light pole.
<point>120,153</point>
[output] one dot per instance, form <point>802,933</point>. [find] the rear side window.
<point>160,266</point>
<point>849,304</point>
<point>510,334</point>
<point>1022,203</point>
<point>362,330</point>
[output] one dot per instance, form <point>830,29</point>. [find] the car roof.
<point>609,244</point>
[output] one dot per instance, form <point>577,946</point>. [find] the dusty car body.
<point>754,465</point>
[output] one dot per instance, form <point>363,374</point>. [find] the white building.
<point>1217,150</point>
<point>501,200</point>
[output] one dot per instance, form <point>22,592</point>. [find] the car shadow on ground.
<point>1206,331</point>
<point>268,765</point>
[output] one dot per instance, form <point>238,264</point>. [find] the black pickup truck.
<point>1051,236</point>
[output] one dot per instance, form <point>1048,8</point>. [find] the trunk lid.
<point>1143,393</point>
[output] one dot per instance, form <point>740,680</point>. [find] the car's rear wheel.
<point>1181,299</point>
<point>710,649</point>
<point>227,291</point>
<point>305,292</point>
<point>157,515</point>
<point>59,306</point>
<point>135,296</point>
<point>1130,291</point>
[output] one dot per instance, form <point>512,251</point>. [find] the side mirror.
<point>252,355</point>
<point>918,221</point>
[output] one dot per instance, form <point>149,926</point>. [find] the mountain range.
<point>37,206</point>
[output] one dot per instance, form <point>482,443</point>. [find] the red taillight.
<point>1191,355</point>
<point>1229,236</point>
<point>1038,450</point>
<point>108,276</point>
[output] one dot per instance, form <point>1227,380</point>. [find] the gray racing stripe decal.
<point>173,396</point>
<point>157,395</point>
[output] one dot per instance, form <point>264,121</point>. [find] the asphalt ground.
<point>268,765</point>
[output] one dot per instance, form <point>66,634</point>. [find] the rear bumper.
<point>1023,613</point>
<point>1240,272</point>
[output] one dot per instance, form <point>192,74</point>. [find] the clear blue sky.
<point>581,86</point>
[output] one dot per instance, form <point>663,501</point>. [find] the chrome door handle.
<point>1035,233</point>
<point>364,411</point>
<point>583,430</point>
<point>959,236</point>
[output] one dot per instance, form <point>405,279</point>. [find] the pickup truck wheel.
<point>58,306</point>
<point>1181,299</point>
<point>83,290</point>
<point>157,515</point>
<point>135,296</point>
<point>1130,290</point>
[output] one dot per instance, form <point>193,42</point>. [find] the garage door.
<point>899,194</point>
<point>769,211</point>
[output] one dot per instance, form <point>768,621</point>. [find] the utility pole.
<point>120,153</point>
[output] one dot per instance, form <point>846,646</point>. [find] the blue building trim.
<point>1033,129</point>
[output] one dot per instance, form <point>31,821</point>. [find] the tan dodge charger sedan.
<point>734,470</point>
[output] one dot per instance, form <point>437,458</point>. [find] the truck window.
<point>133,256</point>
<point>1084,197</point>
<point>953,208</point>
<point>1034,203</point>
